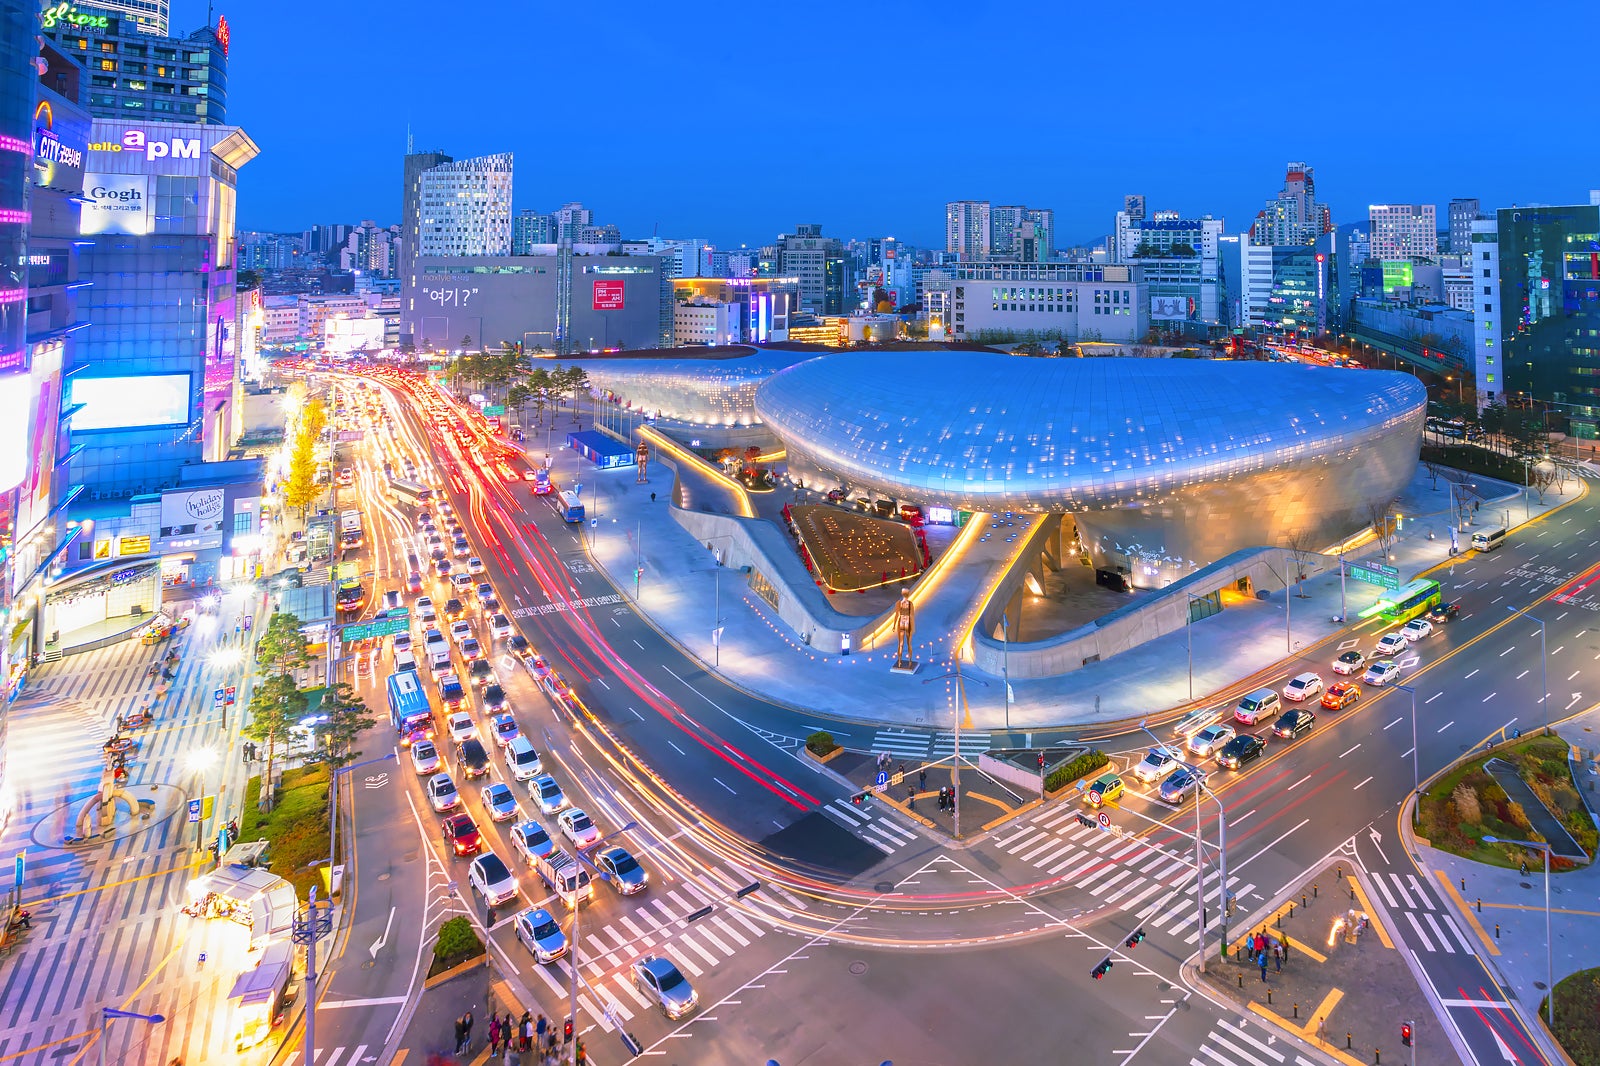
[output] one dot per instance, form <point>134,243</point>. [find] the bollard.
<point>1297,1010</point>
<point>1241,981</point>
<point>1352,892</point>
<point>1377,1056</point>
<point>1339,874</point>
<point>1497,930</point>
<point>1347,1044</point>
<point>1269,997</point>
<point>1291,908</point>
<point>1302,899</point>
<point>1480,904</point>
<point>1463,884</point>
<point>1314,890</point>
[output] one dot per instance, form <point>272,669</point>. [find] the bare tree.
<point>1378,519</point>
<point>1541,476</point>
<point>1434,470</point>
<point>1302,550</point>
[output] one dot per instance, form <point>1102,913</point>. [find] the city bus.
<point>349,594</point>
<point>410,492</point>
<point>408,705</point>
<point>567,505</point>
<point>1406,602</point>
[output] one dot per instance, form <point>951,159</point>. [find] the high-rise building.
<point>416,164</point>
<point>1403,231</point>
<point>135,70</point>
<point>1294,216</point>
<point>1182,268</point>
<point>1463,212</point>
<point>466,207</point>
<point>571,220</point>
<point>530,228</point>
<point>810,257</point>
<point>968,229</point>
<point>1537,310</point>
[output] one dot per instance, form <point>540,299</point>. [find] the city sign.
<point>194,810</point>
<point>494,409</point>
<point>1386,577</point>
<point>224,33</point>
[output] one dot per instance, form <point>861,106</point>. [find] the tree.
<point>1302,549</point>
<point>347,717</point>
<point>281,648</point>
<point>300,488</point>
<point>1541,476</point>
<point>1434,470</point>
<point>276,707</point>
<point>466,343</point>
<point>1378,519</point>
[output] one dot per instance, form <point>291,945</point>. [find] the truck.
<point>562,874</point>
<point>350,531</point>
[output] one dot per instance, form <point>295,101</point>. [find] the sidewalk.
<point>763,655</point>
<point>1512,915</point>
<point>430,1034</point>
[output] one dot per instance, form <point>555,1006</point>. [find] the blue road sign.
<point>22,868</point>
<point>219,695</point>
<point>883,778</point>
<point>194,810</point>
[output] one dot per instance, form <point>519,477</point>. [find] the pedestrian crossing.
<point>337,1056</point>
<point>1232,1043</point>
<point>1429,926</point>
<point>882,833</point>
<point>660,924</point>
<point>1129,873</point>
<point>915,744</point>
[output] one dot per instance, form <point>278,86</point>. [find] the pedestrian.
<point>1285,946</point>
<point>494,1033</point>
<point>1277,956</point>
<point>461,1037</point>
<point>238,627</point>
<point>911,798</point>
<point>1258,944</point>
<point>528,1031</point>
<point>922,779</point>
<point>1261,961</point>
<point>652,497</point>
<point>466,1032</point>
<point>941,797</point>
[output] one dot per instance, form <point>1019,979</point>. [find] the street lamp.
<point>962,711</point>
<point>582,855</point>
<point>1188,635</point>
<point>1416,774</point>
<point>1544,660</point>
<point>1199,856</point>
<point>198,762</point>
<point>107,1013</point>
<point>1549,964</point>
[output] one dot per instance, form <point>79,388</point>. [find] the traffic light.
<point>1084,819</point>
<point>1134,939</point>
<point>1405,1033</point>
<point>1102,969</point>
<point>861,799</point>
<point>566,1032</point>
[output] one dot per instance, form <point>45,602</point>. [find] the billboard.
<point>1169,307</point>
<point>59,144</point>
<point>129,402</point>
<point>116,203</point>
<point>16,396</point>
<point>33,497</point>
<point>608,296</point>
<point>192,519</point>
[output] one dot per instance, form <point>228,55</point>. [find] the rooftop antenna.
<point>411,144</point>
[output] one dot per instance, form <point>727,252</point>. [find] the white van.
<point>1488,540</point>
<point>522,760</point>
<point>404,660</point>
<point>439,661</point>
<point>1262,703</point>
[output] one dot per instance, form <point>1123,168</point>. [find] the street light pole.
<point>1005,664</point>
<point>1416,774</point>
<point>1549,964</point>
<point>1199,856</point>
<point>107,1013</point>
<point>961,712</point>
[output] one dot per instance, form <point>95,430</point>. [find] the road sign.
<point>494,409</point>
<point>194,810</point>
<point>883,778</point>
<point>378,627</point>
<point>219,695</point>
<point>1380,574</point>
<point>21,869</point>
<point>1104,819</point>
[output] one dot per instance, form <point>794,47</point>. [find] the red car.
<point>461,833</point>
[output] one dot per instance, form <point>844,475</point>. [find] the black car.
<point>1445,612</point>
<point>494,698</point>
<point>519,646</point>
<point>412,562</point>
<point>1291,724</point>
<point>1241,749</point>
<point>474,761</point>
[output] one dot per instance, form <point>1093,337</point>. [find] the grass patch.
<point>1082,766</point>
<point>296,827</point>
<point>1466,805</point>
<point>1577,1027</point>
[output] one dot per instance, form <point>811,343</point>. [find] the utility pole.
<point>314,924</point>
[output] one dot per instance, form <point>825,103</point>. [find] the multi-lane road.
<point>721,797</point>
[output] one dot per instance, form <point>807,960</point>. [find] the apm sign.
<point>136,140</point>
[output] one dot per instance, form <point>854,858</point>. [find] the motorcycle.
<point>121,745</point>
<point>137,720</point>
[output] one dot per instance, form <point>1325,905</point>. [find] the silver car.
<point>547,794</point>
<point>541,935</point>
<point>1180,785</point>
<point>661,982</point>
<point>618,867</point>
<point>1211,740</point>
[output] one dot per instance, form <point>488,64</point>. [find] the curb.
<point>455,971</point>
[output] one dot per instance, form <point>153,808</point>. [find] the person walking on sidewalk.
<point>1261,961</point>
<point>461,1034</point>
<point>1277,956</point>
<point>494,1033</point>
<point>532,1030</point>
<point>922,779</point>
<point>1285,946</point>
<point>466,1033</point>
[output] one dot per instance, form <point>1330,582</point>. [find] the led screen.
<point>121,403</point>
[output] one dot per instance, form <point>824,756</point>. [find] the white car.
<point>1416,629</point>
<point>490,877</point>
<point>475,565</point>
<point>425,611</point>
<point>1391,644</point>
<point>460,631</point>
<point>499,627</point>
<point>578,827</point>
<point>1303,687</point>
<point>1211,739</point>
<point>1381,673</point>
<point>425,757</point>
<point>461,727</point>
<point>1351,662</point>
<point>1157,761</point>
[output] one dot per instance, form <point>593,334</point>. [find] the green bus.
<point>1406,602</point>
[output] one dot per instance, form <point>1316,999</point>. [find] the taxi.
<point>1106,789</point>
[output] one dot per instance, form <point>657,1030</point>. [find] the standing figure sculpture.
<point>905,621</point>
<point>641,458</point>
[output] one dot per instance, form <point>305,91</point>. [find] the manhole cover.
<point>369,964</point>
<point>1526,884</point>
<point>859,968</point>
<point>383,877</point>
<point>883,887</point>
<point>1539,985</point>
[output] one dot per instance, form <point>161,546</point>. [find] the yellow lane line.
<point>114,884</point>
<point>1323,1012</point>
<point>1366,905</point>
<point>1267,1015</point>
<point>1472,919</point>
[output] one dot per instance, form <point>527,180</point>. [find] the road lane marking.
<point>720,782</point>
<point>1447,725</point>
<point>1431,698</point>
<point>1364,781</point>
<point>1394,723</point>
<point>1508,651</point>
<point>1520,676</point>
<point>1470,676</point>
<point>1489,697</point>
<point>1347,751</point>
<point>1298,783</point>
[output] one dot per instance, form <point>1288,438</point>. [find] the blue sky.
<point>736,123</point>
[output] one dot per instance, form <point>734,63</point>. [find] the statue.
<point>641,460</point>
<point>905,621</point>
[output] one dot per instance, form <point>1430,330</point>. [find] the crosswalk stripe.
<point>1427,945</point>
<point>1020,841</point>
<point>1427,901</point>
<point>1102,869</point>
<point>1161,859</point>
<point>1107,884</point>
<point>1051,844</point>
<point>1072,856</point>
<point>622,982</point>
<point>848,823</point>
<point>692,944</point>
<point>1401,888</point>
<point>1125,889</point>
<point>589,1008</point>
<point>544,972</point>
<point>1141,897</point>
<point>849,811</point>
<point>617,1007</point>
<point>1093,861</point>
<point>660,921</point>
<point>1455,927</point>
<point>1444,941</point>
<point>880,845</point>
<point>681,902</point>
<point>638,933</point>
<point>1238,1031</point>
<point>755,929</point>
<point>712,938</point>
<point>896,829</point>
<point>729,931</point>
<point>789,897</point>
<point>687,963</point>
<point>1135,846</point>
<point>877,829</point>
<point>1383,890</point>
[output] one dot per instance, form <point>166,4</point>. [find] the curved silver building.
<point>708,391</point>
<point>1165,464</point>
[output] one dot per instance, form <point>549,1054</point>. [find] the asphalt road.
<point>702,746</point>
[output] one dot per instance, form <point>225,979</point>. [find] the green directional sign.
<point>378,627</point>
<point>1386,577</point>
<point>493,409</point>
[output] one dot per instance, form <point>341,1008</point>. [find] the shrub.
<point>1466,804</point>
<point>457,941</point>
<point>1493,793</point>
<point>1517,816</point>
<point>1082,766</point>
<point>820,742</point>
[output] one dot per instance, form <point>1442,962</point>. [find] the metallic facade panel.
<point>708,391</point>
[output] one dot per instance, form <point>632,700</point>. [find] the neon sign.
<point>224,33</point>
<point>66,14</point>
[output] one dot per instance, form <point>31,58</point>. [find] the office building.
<point>764,304</point>
<point>1403,231</point>
<point>968,230</point>
<point>1294,216</point>
<point>1248,274</point>
<point>414,166</point>
<point>466,207</point>
<point>708,323</point>
<point>1015,301</point>
<point>571,220</point>
<point>1181,266</point>
<point>1463,212</point>
<point>819,264</point>
<point>530,228</point>
<point>1537,312</point>
<point>137,72</point>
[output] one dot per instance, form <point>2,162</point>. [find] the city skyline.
<point>875,169</point>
